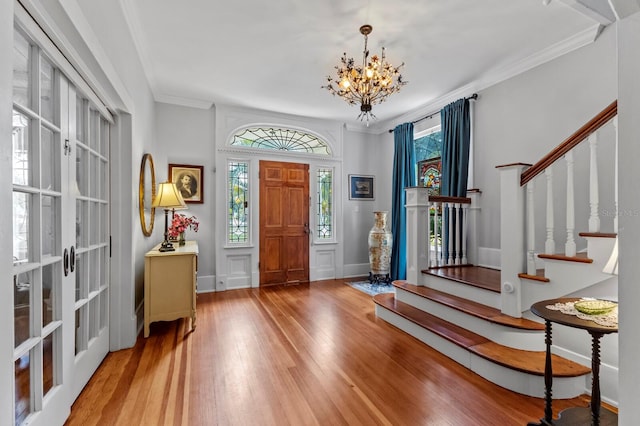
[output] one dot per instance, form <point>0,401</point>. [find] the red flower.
<point>181,223</point>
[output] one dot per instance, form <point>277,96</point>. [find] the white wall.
<point>629,231</point>
<point>523,118</point>
<point>185,135</point>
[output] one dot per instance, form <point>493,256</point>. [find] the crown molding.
<point>178,100</point>
<point>499,75</point>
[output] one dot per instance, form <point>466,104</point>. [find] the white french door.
<point>60,237</point>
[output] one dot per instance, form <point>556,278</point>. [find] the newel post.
<point>512,237</point>
<point>416,203</point>
<point>472,226</point>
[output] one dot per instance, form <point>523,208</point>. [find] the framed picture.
<point>429,172</point>
<point>360,187</point>
<point>189,180</point>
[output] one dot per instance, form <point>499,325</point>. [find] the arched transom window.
<point>280,140</point>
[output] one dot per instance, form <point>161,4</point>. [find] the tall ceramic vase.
<point>380,243</point>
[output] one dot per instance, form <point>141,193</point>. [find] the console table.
<point>170,280</point>
<point>575,415</point>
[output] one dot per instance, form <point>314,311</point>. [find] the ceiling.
<point>275,55</point>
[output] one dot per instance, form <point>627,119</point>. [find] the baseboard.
<point>489,257</point>
<point>356,270</point>
<point>206,284</point>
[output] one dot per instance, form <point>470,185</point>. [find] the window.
<point>278,139</point>
<point>324,213</point>
<point>238,202</point>
<point>429,144</point>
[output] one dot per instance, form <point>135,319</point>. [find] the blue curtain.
<point>456,136</point>
<point>404,176</point>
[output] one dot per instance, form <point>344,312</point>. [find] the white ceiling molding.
<point>496,76</point>
<point>598,10</point>
<point>187,102</point>
<point>624,8</point>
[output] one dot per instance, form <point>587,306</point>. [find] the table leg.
<point>595,380</point>
<point>548,379</point>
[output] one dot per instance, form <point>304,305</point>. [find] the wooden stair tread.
<point>531,362</point>
<point>477,276</point>
<point>470,307</point>
<point>539,276</point>
<point>579,257</point>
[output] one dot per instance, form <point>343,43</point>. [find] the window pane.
<point>104,300</point>
<point>80,133</point>
<point>429,146</point>
<point>49,228</point>
<point>48,364</point>
<point>81,223</point>
<point>325,205</point>
<point>21,70</point>
<point>22,368</point>
<point>21,221</point>
<point>81,276</point>
<point>46,90</point>
<point>48,294</point>
<point>81,329</point>
<point>49,161</point>
<point>82,159</point>
<point>281,140</point>
<point>22,285</point>
<point>238,202</point>
<point>21,151</point>
<point>94,270</point>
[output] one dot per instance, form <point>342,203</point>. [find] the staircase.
<point>480,317</point>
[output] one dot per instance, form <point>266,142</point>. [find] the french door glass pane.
<point>49,294</point>
<point>81,223</point>
<point>94,317</point>
<point>50,212</point>
<point>81,276</point>
<point>104,300</point>
<point>21,149</point>
<point>46,90</point>
<point>94,126</point>
<point>94,231</point>
<point>94,176</point>
<point>49,161</point>
<point>22,368</point>
<point>81,330</point>
<point>80,133</point>
<point>48,365</point>
<point>21,227</point>
<point>82,159</point>
<point>94,269</point>
<point>21,70</point>
<point>22,286</point>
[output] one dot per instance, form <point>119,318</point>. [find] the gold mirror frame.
<point>145,205</point>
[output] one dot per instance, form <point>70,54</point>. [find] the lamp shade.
<point>168,196</point>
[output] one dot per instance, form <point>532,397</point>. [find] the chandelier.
<point>366,84</point>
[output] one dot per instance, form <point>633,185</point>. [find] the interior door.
<point>59,339</point>
<point>284,223</point>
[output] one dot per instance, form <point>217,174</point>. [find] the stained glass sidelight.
<point>238,202</point>
<point>325,206</point>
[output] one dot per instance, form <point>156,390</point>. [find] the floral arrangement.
<point>181,223</point>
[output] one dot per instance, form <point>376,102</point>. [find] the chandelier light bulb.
<point>366,84</point>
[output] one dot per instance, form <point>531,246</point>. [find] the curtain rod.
<point>472,97</point>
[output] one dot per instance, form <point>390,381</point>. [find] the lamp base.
<point>166,246</point>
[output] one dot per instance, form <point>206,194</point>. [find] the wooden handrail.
<point>581,134</point>
<point>445,199</point>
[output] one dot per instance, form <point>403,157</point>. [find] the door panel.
<point>284,218</point>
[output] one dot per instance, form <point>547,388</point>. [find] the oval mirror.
<point>146,192</point>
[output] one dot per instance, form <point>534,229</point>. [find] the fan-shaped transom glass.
<point>280,140</point>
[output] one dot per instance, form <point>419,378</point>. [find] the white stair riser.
<point>599,249</point>
<point>465,291</point>
<point>516,381</point>
<point>506,336</point>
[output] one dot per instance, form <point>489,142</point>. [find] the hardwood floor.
<point>312,354</point>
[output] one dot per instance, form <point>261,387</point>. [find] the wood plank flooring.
<point>311,354</point>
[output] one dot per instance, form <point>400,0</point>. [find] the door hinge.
<point>110,245</point>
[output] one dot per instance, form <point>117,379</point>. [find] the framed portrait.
<point>429,173</point>
<point>360,187</point>
<point>189,180</point>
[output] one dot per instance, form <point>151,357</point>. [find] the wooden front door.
<point>284,223</point>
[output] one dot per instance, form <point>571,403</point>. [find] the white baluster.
<point>450,235</point>
<point>458,233</point>
<point>531,230</point>
<point>594,219</point>
<point>549,244</point>
<point>429,249</point>
<point>437,233</point>
<point>615,178</point>
<point>570,245</point>
<point>465,210</point>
